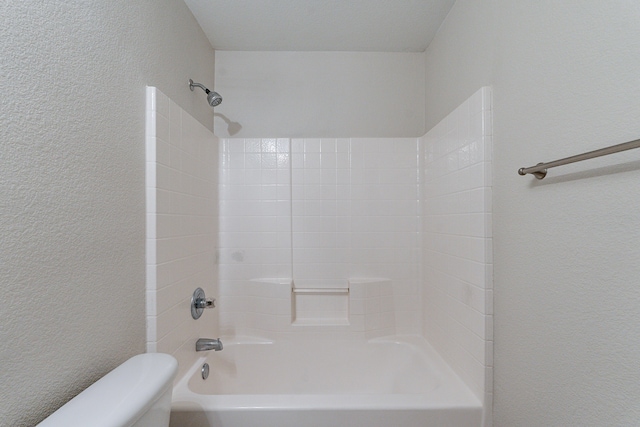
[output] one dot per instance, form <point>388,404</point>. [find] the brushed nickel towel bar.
<point>540,170</point>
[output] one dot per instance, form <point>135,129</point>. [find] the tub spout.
<point>204,344</point>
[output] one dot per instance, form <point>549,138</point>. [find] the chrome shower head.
<point>213,98</point>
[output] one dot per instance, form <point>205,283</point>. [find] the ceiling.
<point>320,25</point>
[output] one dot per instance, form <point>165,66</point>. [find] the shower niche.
<point>320,306</point>
<point>365,305</point>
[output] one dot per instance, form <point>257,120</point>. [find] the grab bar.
<point>320,290</point>
<point>540,170</point>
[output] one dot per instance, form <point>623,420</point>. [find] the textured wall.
<point>567,316</point>
<point>72,266</point>
<point>320,94</point>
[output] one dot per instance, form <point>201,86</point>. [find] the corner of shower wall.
<point>182,227</point>
<point>457,272</point>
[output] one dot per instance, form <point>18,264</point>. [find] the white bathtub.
<point>384,382</point>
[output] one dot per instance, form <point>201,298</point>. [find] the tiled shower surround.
<point>457,273</point>
<point>352,213</point>
<point>329,214</point>
<point>182,225</point>
<point>348,238</point>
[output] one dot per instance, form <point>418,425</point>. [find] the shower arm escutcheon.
<point>199,302</point>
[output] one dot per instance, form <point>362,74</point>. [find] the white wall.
<point>182,228</point>
<point>72,184</point>
<point>320,94</point>
<point>564,78</point>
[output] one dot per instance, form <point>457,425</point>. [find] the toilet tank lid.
<point>121,396</point>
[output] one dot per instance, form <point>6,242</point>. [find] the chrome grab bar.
<point>540,170</point>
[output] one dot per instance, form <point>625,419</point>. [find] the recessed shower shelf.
<point>320,306</point>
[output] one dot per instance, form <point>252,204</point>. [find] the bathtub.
<point>397,381</point>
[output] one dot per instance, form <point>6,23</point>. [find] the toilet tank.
<point>135,394</point>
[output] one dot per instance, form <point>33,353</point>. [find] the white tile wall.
<point>182,225</point>
<point>457,315</point>
<point>372,300</point>
<point>403,223</point>
<point>385,220</point>
<point>255,232</point>
<point>335,209</point>
<point>321,210</point>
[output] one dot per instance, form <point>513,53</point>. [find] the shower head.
<point>213,98</point>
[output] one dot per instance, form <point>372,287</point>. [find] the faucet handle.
<point>205,303</point>
<point>199,302</point>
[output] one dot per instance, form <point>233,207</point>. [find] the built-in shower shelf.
<point>320,290</point>
<point>320,306</point>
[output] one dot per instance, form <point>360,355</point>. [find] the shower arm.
<point>201,86</point>
<point>213,98</point>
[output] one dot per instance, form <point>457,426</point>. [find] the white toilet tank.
<point>135,394</point>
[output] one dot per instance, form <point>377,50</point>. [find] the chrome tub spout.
<point>204,344</point>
